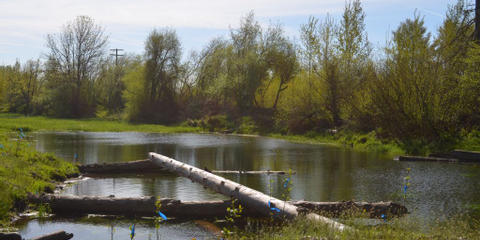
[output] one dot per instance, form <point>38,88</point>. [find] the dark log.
<point>10,236</point>
<point>460,155</point>
<point>424,159</point>
<point>251,198</point>
<point>250,172</point>
<point>60,235</point>
<point>139,166</point>
<point>374,210</point>
<point>145,206</point>
<point>147,166</point>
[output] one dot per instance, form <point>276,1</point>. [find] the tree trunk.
<point>247,196</point>
<point>477,21</point>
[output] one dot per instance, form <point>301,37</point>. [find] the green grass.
<point>24,170</point>
<point>361,142</point>
<point>399,228</point>
<point>14,121</point>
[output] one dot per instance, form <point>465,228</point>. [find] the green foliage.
<point>234,212</point>
<point>151,88</point>
<point>23,170</point>
<point>460,227</point>
<point>247,126</point>
<point>10,122</point>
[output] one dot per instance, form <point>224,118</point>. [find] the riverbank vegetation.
<point>420,92</point>
<point>23,171</point>
<point>301,228</point>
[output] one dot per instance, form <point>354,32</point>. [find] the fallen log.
<point>460,155</point>
<point>139,166</point>
<point>147,166</point>
<point>374,210</point>
<point>424,159</point>
<point>250,172</point>
<point>10,236</point>
<point>145,207</point>
<point>264,204</point>
<point>60,235</point>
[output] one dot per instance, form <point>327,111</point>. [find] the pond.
<point>323,173</point>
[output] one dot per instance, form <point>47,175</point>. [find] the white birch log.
<point>249,197</point>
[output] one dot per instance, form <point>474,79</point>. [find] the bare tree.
<point>77,51</point>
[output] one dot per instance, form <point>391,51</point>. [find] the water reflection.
<point>118,230</point>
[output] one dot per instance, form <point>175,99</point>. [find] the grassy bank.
<point>301,228</point>
<point>358,141</point>
<point>24,170</point>
<point>10,122</point>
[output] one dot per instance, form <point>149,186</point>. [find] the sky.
<point>24,24</point>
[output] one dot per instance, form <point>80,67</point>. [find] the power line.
<point>116,54</point>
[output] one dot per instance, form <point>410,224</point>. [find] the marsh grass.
<point>461,227</point>
<point>362,142</point>
<point>24,170</point>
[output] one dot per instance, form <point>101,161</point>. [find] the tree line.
<point>420,89</point>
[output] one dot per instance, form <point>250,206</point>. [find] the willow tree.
<point>157,79</point>
<point>281,59</point>
<point>247,68</point>
<point>76,53</point>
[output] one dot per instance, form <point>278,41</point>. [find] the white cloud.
<point>27,22</point>
<point>220,14</point>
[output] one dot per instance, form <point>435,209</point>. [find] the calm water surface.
<point>323,172</point>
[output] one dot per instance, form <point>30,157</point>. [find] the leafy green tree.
<point>354,59</point>
<point>247,68</point>
<point>158,81</point>
<point>406,94</point>
<point>23,85</point>
<point>320,39</point>
<point>281,58</point>
<point>109,85</point>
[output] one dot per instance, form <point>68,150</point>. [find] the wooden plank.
<point>424,159</point>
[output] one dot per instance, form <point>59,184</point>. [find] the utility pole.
<point>119,55</point>
<point>477,20</point>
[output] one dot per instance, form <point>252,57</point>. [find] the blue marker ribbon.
<point>272,208</point>
<point>132,233</point>
<point>384,217</point>
<point>162,215</point>
<point>1,146</point>
<point>405,189</point>
<point>286,182</point>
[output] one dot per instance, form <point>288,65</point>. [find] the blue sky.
<point>24,24</point>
